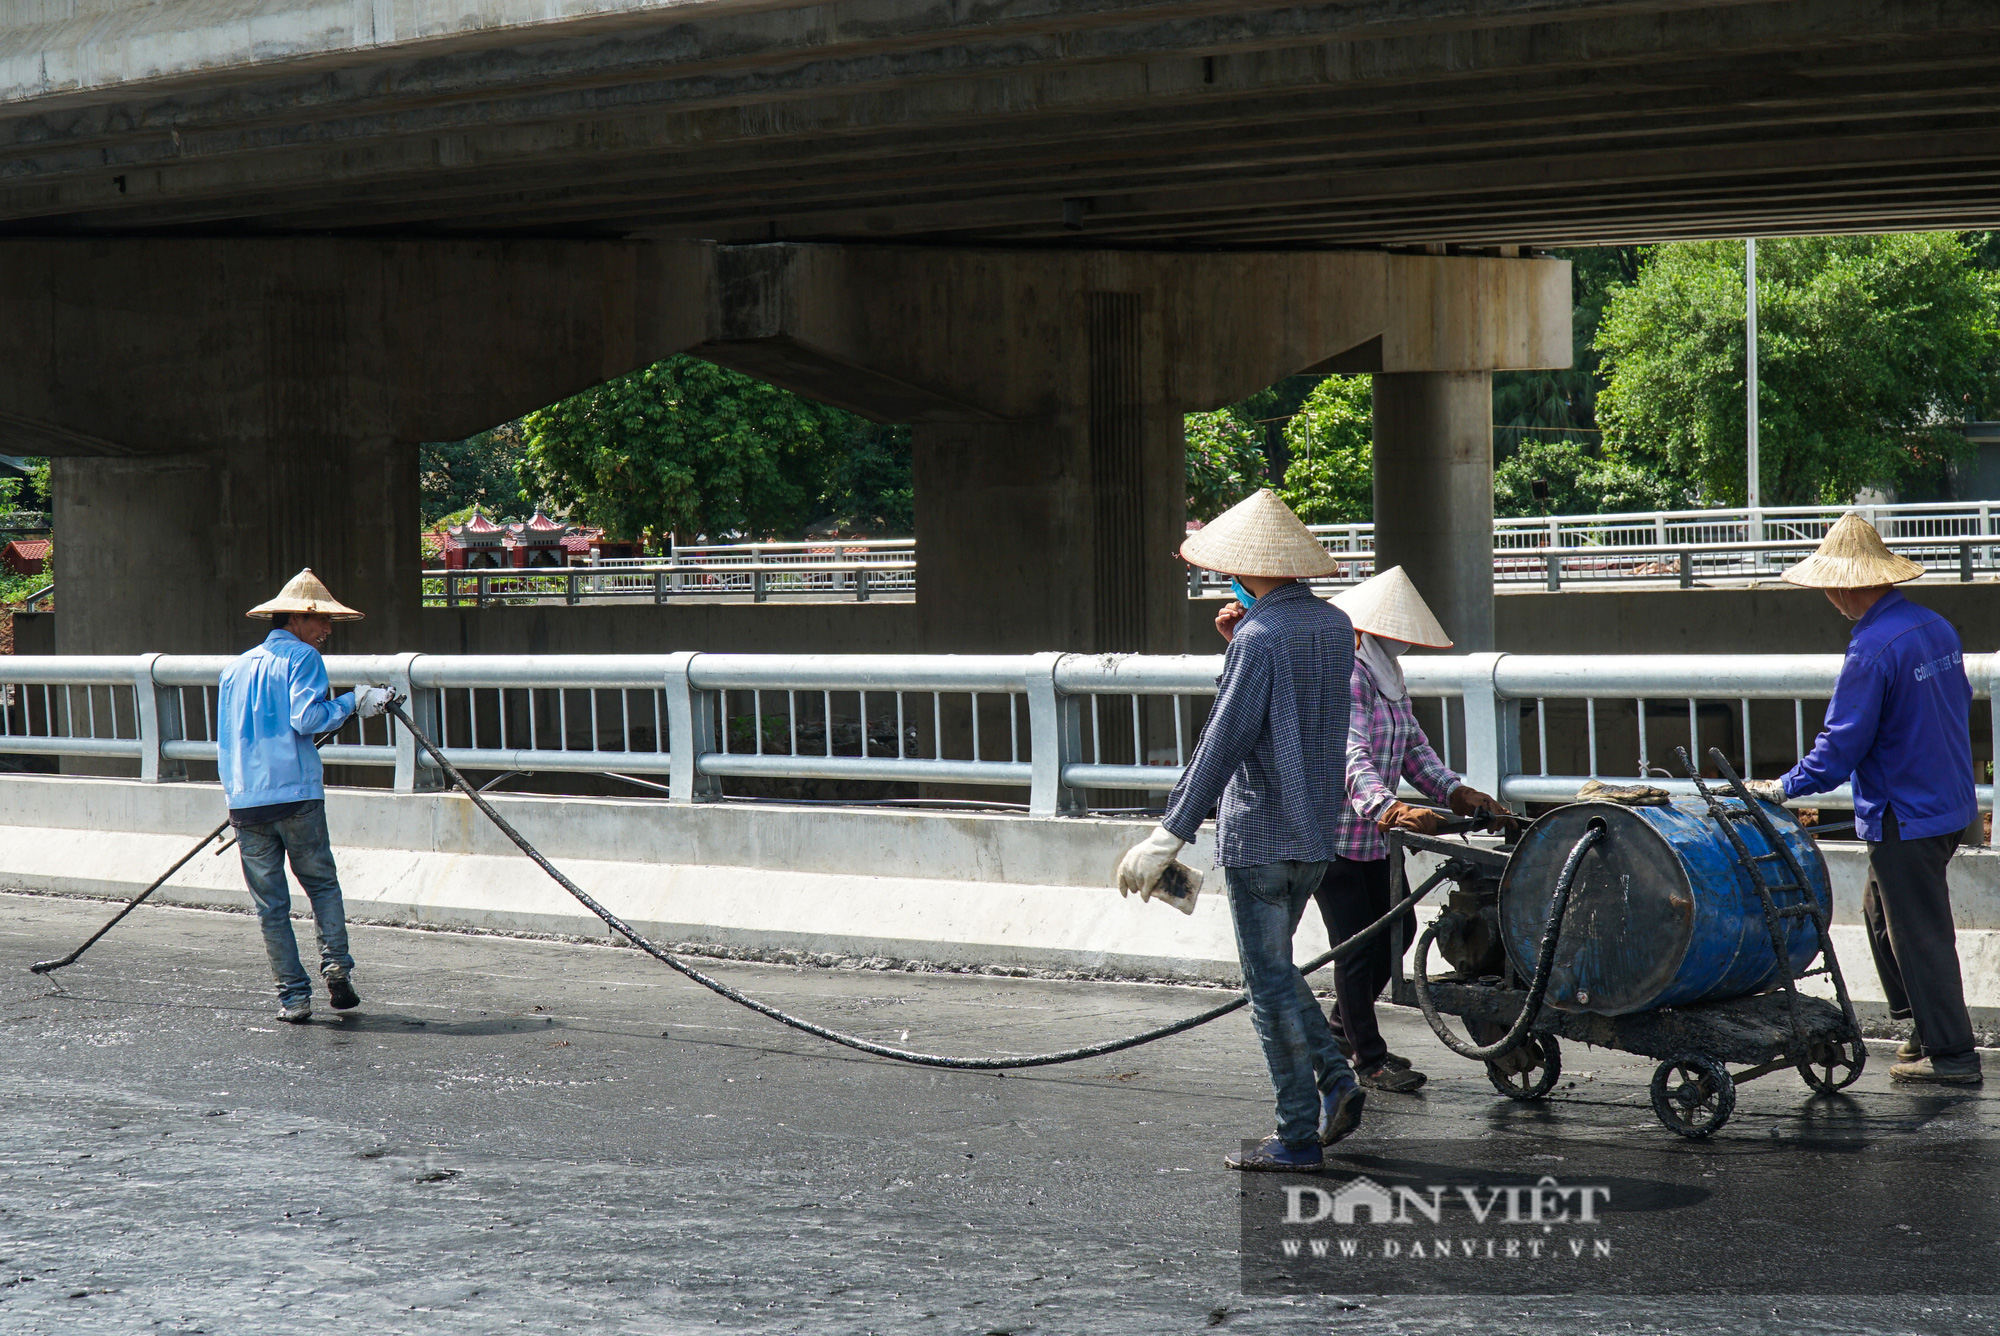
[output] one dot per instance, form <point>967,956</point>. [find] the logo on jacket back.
<point>1926,671</point>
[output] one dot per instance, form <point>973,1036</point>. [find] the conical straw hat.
<point>1852,556</point>
<point>1259,535</point>
<point>1388,605</point>
<point>304,593</point>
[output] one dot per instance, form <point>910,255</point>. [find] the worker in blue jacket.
<point>1899,726</point>
<point>272,702</point>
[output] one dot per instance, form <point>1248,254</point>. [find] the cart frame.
<point>1693,1090</point>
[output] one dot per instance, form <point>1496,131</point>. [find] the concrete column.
<point>224,412</point>
<point>168,553</point>
<point>1434,493</point>
<point>1053,535</point>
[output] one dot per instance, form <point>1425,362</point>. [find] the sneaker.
<point>340,991</point>
<point>1960,1070</point>
<point>1388,1059</point>
<point>1909,1050</point>
<point>295,1013</point>
<point>1273,1156</point>
<point>1340,1110</point>
<point>1395,1080</point>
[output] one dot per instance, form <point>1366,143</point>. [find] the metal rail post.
<point>1991,683</point>
<point>691,732</point>
<point>1055,739</point>
<point>158,711</point>
<point>411,776</point>
<point>1492,738</point>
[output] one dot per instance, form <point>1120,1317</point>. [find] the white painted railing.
<point>1060,727</point>
<point>1951,539</point>
<point>662,581</point>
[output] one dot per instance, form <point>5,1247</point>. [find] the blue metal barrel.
<point>1661,913</point>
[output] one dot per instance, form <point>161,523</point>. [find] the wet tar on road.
<point>539,1136</point>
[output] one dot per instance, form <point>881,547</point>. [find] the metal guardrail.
<point>1672,529</point>
<point>662,582</point>
<point>1062,727</point>
<point>1949,538</point>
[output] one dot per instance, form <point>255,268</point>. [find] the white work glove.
<point>370,701</point>
<point>1139,870</point>
<point>1770,790</point>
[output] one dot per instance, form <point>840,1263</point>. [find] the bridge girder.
<point>1472,123</point>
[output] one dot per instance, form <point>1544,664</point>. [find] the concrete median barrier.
<point>881,886</point>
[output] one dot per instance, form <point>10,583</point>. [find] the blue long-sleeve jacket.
<point>1274,753</point>
<point>1899,723</point>
<point>273,700</point>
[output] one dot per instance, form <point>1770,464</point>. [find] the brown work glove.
<point>1468,801</point>
<point>1402,816</point>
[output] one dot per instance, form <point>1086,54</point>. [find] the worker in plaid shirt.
<point>1268,766</point>
<point>1385,746</point>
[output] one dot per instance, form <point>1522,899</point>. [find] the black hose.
<point>1544,961</point>
<point>625,930</point>
<point>46,966</point>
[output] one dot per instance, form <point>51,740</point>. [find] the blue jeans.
<point>303,836</point>
<point>1266,901</point>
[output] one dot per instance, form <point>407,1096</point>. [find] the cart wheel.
<point>1543,1067</point>
<point>1693,1095</point>
<point>1831,1066</point>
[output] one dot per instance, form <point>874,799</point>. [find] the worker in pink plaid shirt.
<point>1385,746</point>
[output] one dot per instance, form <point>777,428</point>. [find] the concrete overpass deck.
<point>1093,122</point>
<point>253,251</point>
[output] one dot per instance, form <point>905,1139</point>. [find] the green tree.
<point>1546,404</point>
<point>1224,462</point>
<point>1331,477</point>
<point>870,486</point>
<point>687,447</point>
<point>1870,351</point>
<point>1580,482</point>
<point>482,471</point>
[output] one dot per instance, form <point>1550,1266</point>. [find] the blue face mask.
<point>1243,596</point>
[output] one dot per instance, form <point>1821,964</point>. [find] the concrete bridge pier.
<point>225,412</point>
<point>169,552</point>
<point>1434,493</point>
<point>222,413</point>
<point>1047,389</point>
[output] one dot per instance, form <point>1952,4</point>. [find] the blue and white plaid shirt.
<point>1275,750</point>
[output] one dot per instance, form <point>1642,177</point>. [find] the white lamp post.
<point>1750,379</point>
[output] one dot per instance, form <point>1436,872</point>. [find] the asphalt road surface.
<point>537,1136</point>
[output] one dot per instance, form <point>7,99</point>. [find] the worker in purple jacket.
<point>1899,726</point>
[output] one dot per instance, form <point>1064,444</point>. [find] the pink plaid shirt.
<point>1385,744</point>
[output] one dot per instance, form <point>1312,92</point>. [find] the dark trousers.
<point>1352,895</point>
<point>1907,908</point>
